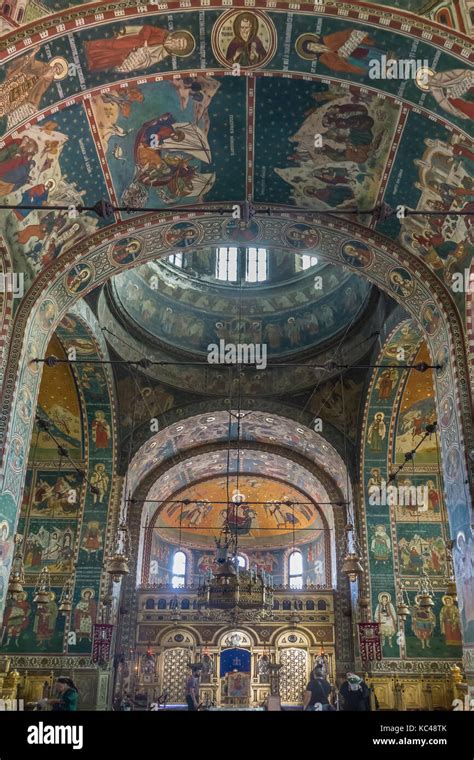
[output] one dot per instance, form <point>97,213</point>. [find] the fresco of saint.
<point>386,617</point>
<point>136,47</point>
<point>25,84</point>
<point>347,51</point>
<point>246,48</point>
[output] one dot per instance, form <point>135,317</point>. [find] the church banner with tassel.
<point>101,642</point>
<point>369,642</point>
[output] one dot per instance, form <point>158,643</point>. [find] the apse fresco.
<point>407,539</point>
<point>267,524</point>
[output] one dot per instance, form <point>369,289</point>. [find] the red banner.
<point>101,642</point>
<point>369,642</point>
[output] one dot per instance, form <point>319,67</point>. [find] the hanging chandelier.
<point>17,574</point>
<point>117,563</point>
<point>351,558</point>
<point>43,594</point>
<point>232,591</point>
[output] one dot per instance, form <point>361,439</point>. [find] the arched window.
<point>256,266</point>
<point>226,264</point>
<point>150,604</point>
<point>241,561</point>
<point>276,604</point>
<point>305,261</point>
<point>295,569</point>
<point>162,604</point>
<point>310,604</point>
<point>185,604</point>
<point>322,605</point>
<point>286,604</point>
<point>176,259</point>
<point>179,570</point>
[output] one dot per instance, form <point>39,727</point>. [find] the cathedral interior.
<point>236,351</point>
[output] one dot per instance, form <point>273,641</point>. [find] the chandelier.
<point>232,592</point>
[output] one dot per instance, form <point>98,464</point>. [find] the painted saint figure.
<point>16,618</point>
<point>25,84</point>
<point>45,621</point>
<point>246,48</point>
<point>386,617</point>
<point>349,51</point>
<point>84,615</point>
<point>100,481</point>
<point>376,433</point>
<point>450,622</point>
<point>100,431</point>
<point>136,47</point>
<point>381,544</point>
<point>423,623</point>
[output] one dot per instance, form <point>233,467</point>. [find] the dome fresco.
<point>190,315</point>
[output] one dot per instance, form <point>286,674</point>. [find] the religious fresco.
<point>41,168</point>
<point>438,176</point>
<point>58,403</point>
<point>174,138</point>
<point>30,629</point>
<point>259,427</point>
<point>407,539</point>
<point>291,330</point>
<point>267,524</point>
<point>417,409</point>
<point>173,128</point>
<point>62,521</point>
<point>356,132</point>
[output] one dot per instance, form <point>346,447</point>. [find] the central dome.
<point>289,301</point>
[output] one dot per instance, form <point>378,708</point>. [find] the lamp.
<point>43,593</point>
<point>17,574</point>
<point>117,562</point>
<point>65,600</point>
<point>351,564</point>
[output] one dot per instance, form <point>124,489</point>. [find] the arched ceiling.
<point>170,444</point>
<point>147,109</point>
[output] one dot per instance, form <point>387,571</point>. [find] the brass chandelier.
<point>232,592</point>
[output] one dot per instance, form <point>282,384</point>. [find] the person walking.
<point>318,692</point>
<point>192,689</point>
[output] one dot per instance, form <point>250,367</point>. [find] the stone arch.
<point>49,299</point>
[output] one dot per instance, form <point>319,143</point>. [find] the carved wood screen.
<point>175,671</point>
<point>293,674</point>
